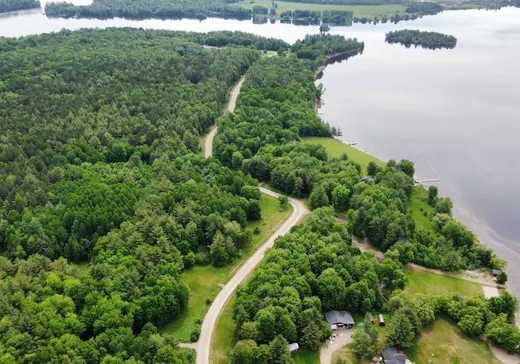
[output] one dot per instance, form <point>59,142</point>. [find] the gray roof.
<point>496,272</point>
<point>389,352</point>
<point>399,359</point>
<point>342,317</point>
<point>392,356</point>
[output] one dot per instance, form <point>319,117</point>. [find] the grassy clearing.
<point>448,345</point>
<point>431,283</point>
<point>359,11</point>
<point>205,282</point>
<point>442,339</point>
<point>306,357</point>
<point>336,148</point>
<point>347,355</point>
<point>420,210</point>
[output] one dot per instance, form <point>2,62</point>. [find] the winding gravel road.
<point>203,346</point>
<point>208,144</point>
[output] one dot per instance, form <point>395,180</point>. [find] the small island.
<point>430,40</point>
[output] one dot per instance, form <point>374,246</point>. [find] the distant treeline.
<point>13,5</point>
<point>424,8</point>
<point>142,9</point>
<point>202,9</point>
<point>347,2</point>
<point>430,40</point>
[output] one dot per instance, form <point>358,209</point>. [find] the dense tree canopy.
<point>310,270</point>
<point>99,163</point>
<point>430,40</point>
<point>13,5</point>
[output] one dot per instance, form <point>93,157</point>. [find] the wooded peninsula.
<point>430,40</point>
<point>108,204</point>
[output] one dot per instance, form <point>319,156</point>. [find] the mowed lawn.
<point>335,148</point>
<point>443,339</point>
<point>359,11</point>
<point>205,282</point>
<point>443,343</point>
<point>425,282</point>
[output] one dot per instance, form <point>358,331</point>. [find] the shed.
<point>340,318</point>
<point>496,272</point>
<point>381,320</point>
<point>293,347</point>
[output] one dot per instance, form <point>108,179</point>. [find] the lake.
<point>455,113</point>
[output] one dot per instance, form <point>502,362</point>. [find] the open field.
<point>336,148</point>
<point>443,343</point>
<point>430,283</point>
<point>205,282</point>
<point>442,339</point>
<point>359,11</point>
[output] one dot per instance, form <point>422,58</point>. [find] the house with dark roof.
<point>338,319</point>
<point>392,356</point>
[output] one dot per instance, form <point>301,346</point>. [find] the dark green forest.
<point>100,164</point>
<point>142,9</point>
<point>13,5</point>
<point>430,40</point>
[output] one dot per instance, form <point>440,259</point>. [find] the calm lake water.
<point>455,113</point>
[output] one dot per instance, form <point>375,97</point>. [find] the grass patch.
<point>359,11</point>
<point>425,282</point>
<point>448,345</point>
<point>347,355</point>
<point>443,339</point>
<point>418,207</point>
<point>335,148</point>
<point>224,339</point>
<point>205,282</point>
<point>306,357</point>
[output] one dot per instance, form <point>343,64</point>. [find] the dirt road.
<point>208,143</point>
<point>203,346</point>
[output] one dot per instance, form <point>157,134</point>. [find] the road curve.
<point>208,144</point>
<point>209,323</point>
<point>203,346</point>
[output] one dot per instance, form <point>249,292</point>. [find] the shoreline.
<point>337,57</point>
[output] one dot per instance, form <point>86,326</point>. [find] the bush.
<point>195,333</point>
